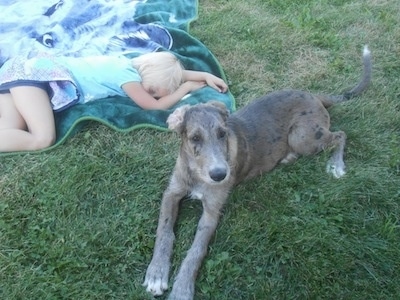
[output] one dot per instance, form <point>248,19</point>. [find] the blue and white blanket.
<point>76,28</point>
<point>110,27</point>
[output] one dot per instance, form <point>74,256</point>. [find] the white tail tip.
<point>366,51</point>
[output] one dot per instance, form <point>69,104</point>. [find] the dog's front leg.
<point>156,279</point>
<point>183,288</point>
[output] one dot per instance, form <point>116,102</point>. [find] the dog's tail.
<point>359,88</point>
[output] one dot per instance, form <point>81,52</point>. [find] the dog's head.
<point>205,139</point>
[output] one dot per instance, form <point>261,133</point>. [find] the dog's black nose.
<point>218,174</point>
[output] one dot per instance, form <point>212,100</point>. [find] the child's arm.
<point>142,98</point>
<point>211,80</point>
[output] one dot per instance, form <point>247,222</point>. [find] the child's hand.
<point>208,78</point>
<point>216,83</point>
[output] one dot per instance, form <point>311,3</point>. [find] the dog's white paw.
<point>155,286</point>
<point>156,280</point>
<point>337,170</point>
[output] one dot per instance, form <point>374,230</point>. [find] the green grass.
<point>78,222</point>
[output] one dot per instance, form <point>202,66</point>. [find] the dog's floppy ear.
<point>221,107</point>
<point>175,119</point>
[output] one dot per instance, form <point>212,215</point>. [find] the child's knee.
<point>43,142</point>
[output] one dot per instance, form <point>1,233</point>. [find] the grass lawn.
<point>79,222</point>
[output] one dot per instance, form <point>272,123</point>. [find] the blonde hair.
<point>159,70</point>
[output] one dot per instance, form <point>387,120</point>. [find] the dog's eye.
<point>196,138</point>
<point>221,134</point>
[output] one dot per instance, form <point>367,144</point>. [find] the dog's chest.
<point>197,193</point>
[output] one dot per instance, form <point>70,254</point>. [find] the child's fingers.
<point>214,85</point>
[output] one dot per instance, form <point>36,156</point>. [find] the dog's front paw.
<point>336,169</point>
<point>156,280</point>
<point>182,290</point>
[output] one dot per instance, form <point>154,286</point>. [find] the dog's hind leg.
<point>156,279</point>
<point>183,287</point>
<point>336,164</point>
<point>310,137</point>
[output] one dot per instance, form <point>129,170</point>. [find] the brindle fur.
<point>219,150</point>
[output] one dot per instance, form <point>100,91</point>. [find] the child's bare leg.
<point>10,118</point>
<point>34,106</point>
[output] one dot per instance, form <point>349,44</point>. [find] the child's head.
<point>159,70</point>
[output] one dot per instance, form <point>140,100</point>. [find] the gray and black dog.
<point>219,150</point>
